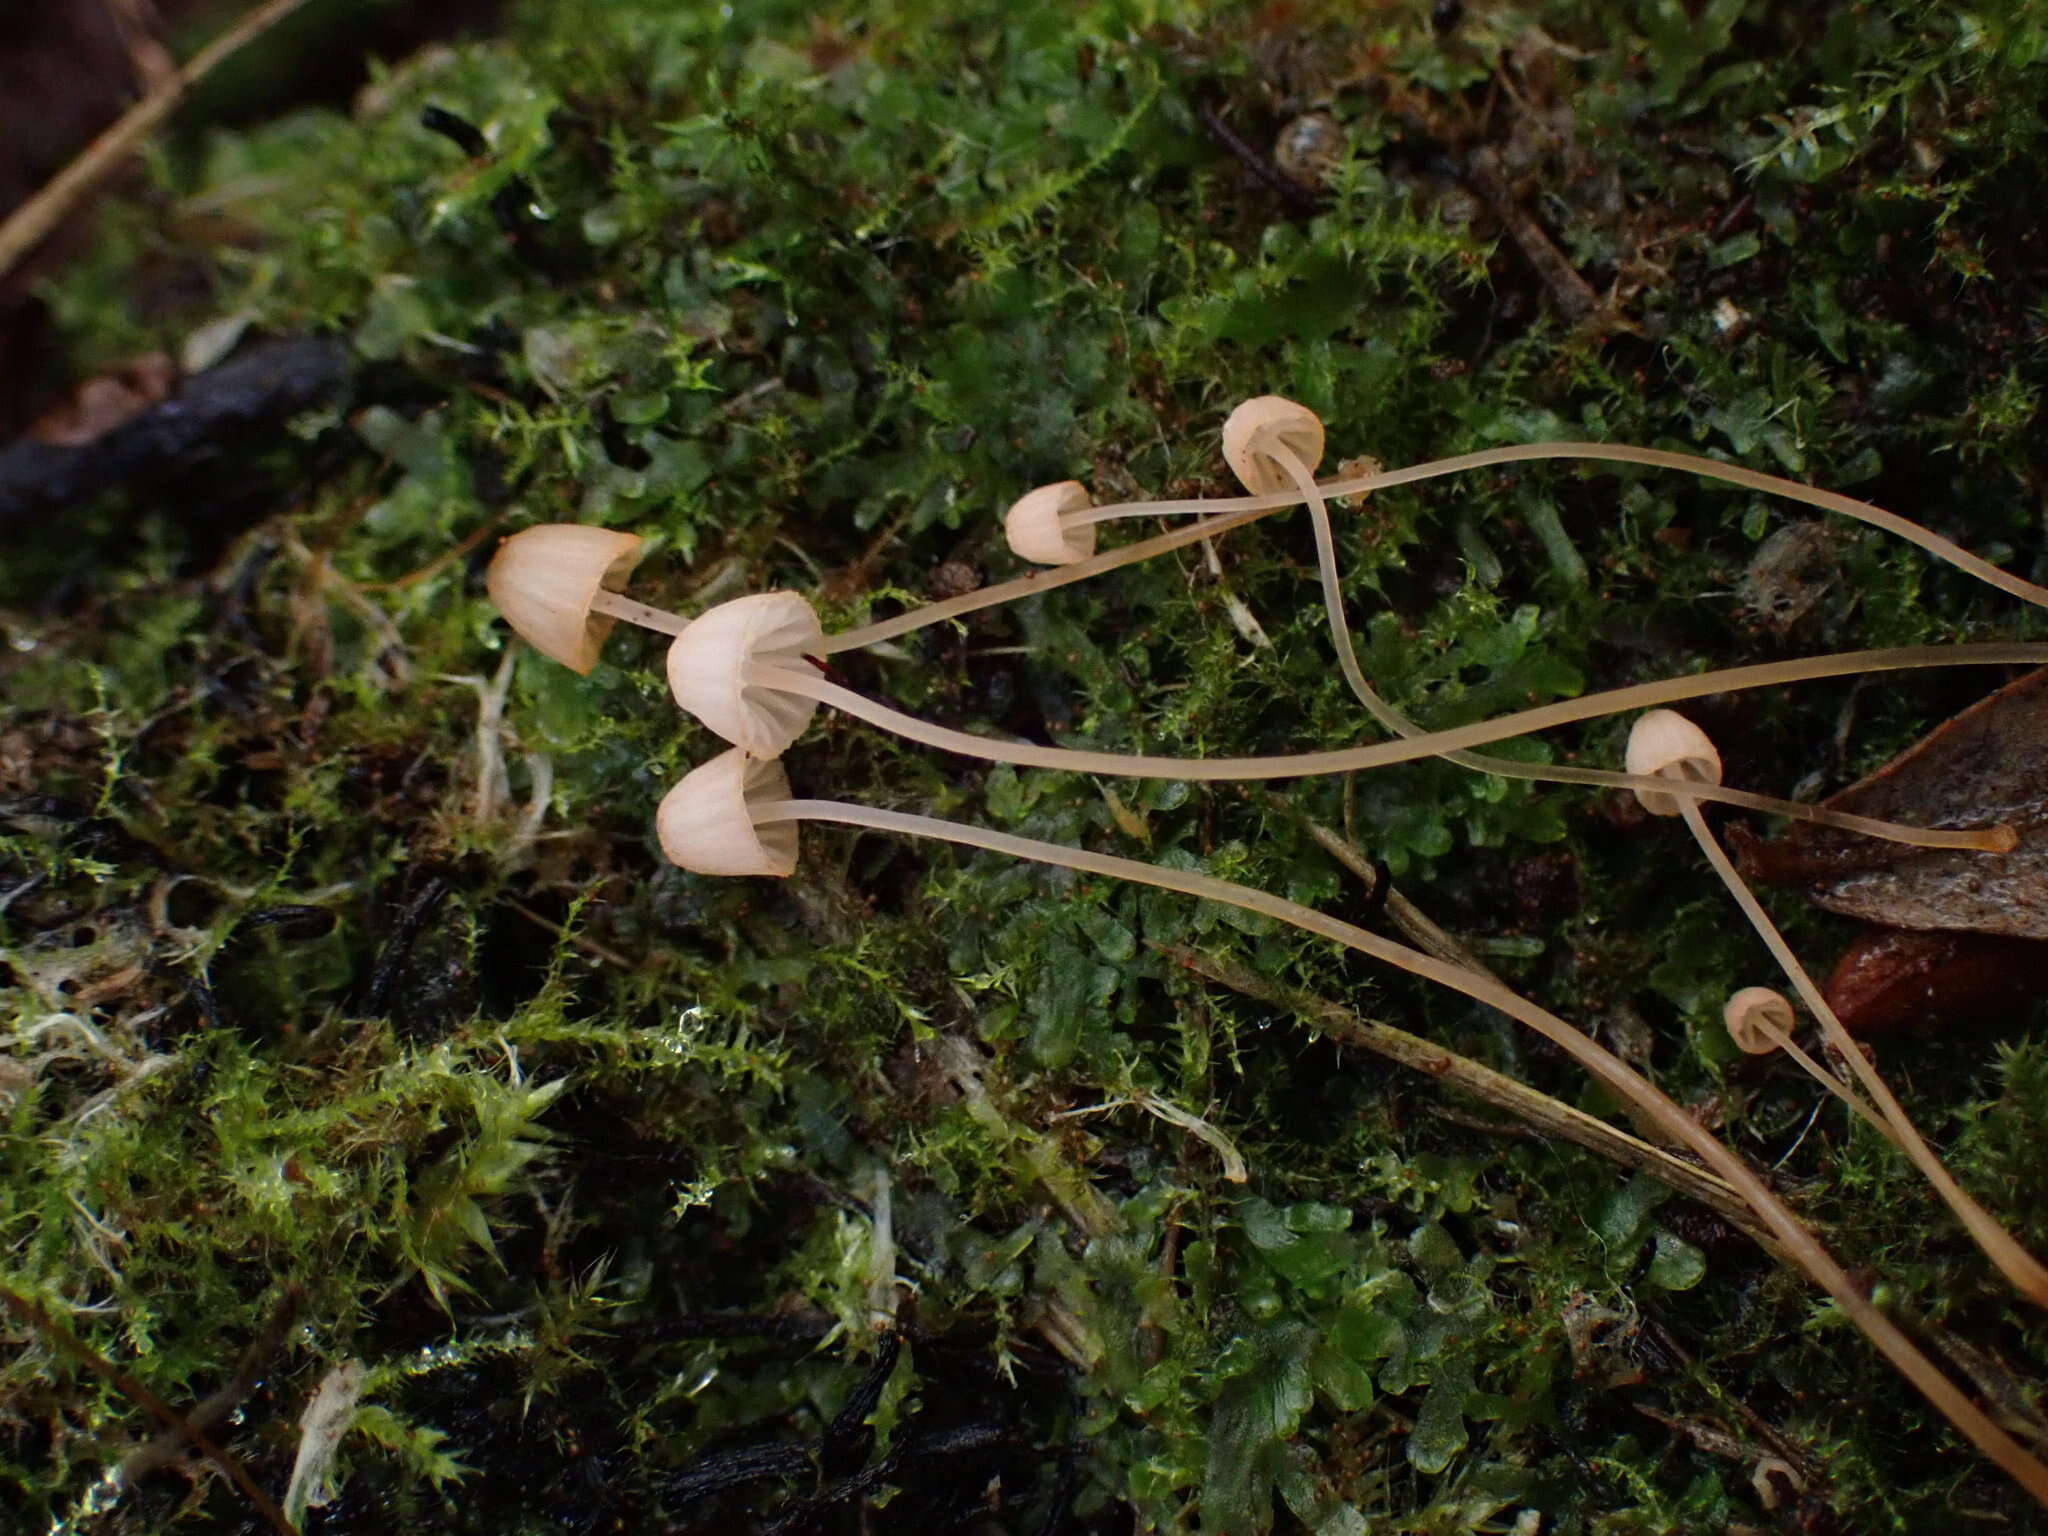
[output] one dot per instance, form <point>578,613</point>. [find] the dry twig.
<point>1547,1115</point>
<point>31,223</point>
<point>38,1317</point>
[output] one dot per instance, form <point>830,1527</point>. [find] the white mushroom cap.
<point>1664,744</point>
<point>1749,1010</point>
<point>545,578</point>
<point>1261,422</point>
<point>1033,527</point>
<point>707,669</point>
<point>706,823</point>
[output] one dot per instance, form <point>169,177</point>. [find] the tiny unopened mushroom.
<point>719,793</point>
<point>1038,530</point>
<point>1665,744</point>
<point>1759,1020</point>
<point>559,587</point>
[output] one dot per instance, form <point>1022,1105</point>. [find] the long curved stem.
<point>2026,1273</point>
<point>1611,453</point>
<point>1606,1067</point>
<point>1299,765</point>
<point>646,615</point>
<point>1221,514</point>
<point>1051,578</point>
<point>1984,839</point>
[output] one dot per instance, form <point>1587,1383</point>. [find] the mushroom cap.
<point>707,669</point>
<point>545,578</point>
<point>1032,525</point>
<point>1256,427</point>
<point>1748,1010</point>
<point>1664,744</point>
<point>706,823</point>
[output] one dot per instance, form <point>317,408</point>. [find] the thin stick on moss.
<point>31,223</point>
<point>1549,1116</point>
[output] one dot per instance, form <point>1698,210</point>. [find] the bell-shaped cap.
<point>1260,425</point>
<point>1664,744</point>
<point>1034,528</point>
<point>707,669</point>
<point>545,578</point>
<point>1749,1010</point>
<point>706,823</point>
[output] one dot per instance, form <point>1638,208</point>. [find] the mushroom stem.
<point>1249,509</point>
<point>2021,1268</point>
<point>619,606</point>
<point>1829,1081</point>
<point>1377,754</point>
<point>1222,514</point>
<point>1999,839</point>
<point>1610,453</point>
<point>1799,1242</point>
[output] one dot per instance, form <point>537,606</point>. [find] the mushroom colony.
<point>754,671</point>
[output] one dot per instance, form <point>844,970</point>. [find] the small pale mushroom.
<point>1263,434</point>
<point>558,585</point>
<point>725,667</point>
<point>1759,1020</point>
<point>1663,744</point>
<point>706,823</point>
<point>1038,529</point>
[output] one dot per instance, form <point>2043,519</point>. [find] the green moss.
<point>327,997</point>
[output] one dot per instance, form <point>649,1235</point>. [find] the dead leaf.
<point>1790,573</point>
<point>102,403</point>
<point>1899,978</point>
<point>1987,766</point>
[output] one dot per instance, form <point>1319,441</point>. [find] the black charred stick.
<point>261,388</point>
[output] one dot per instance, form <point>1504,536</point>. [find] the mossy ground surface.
<point>352,1015</point>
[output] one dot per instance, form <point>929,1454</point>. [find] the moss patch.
<point>343,982</point>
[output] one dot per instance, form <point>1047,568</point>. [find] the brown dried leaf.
<point>1896,978</point>
<point>1989,765</point>
<point>101,404</point>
